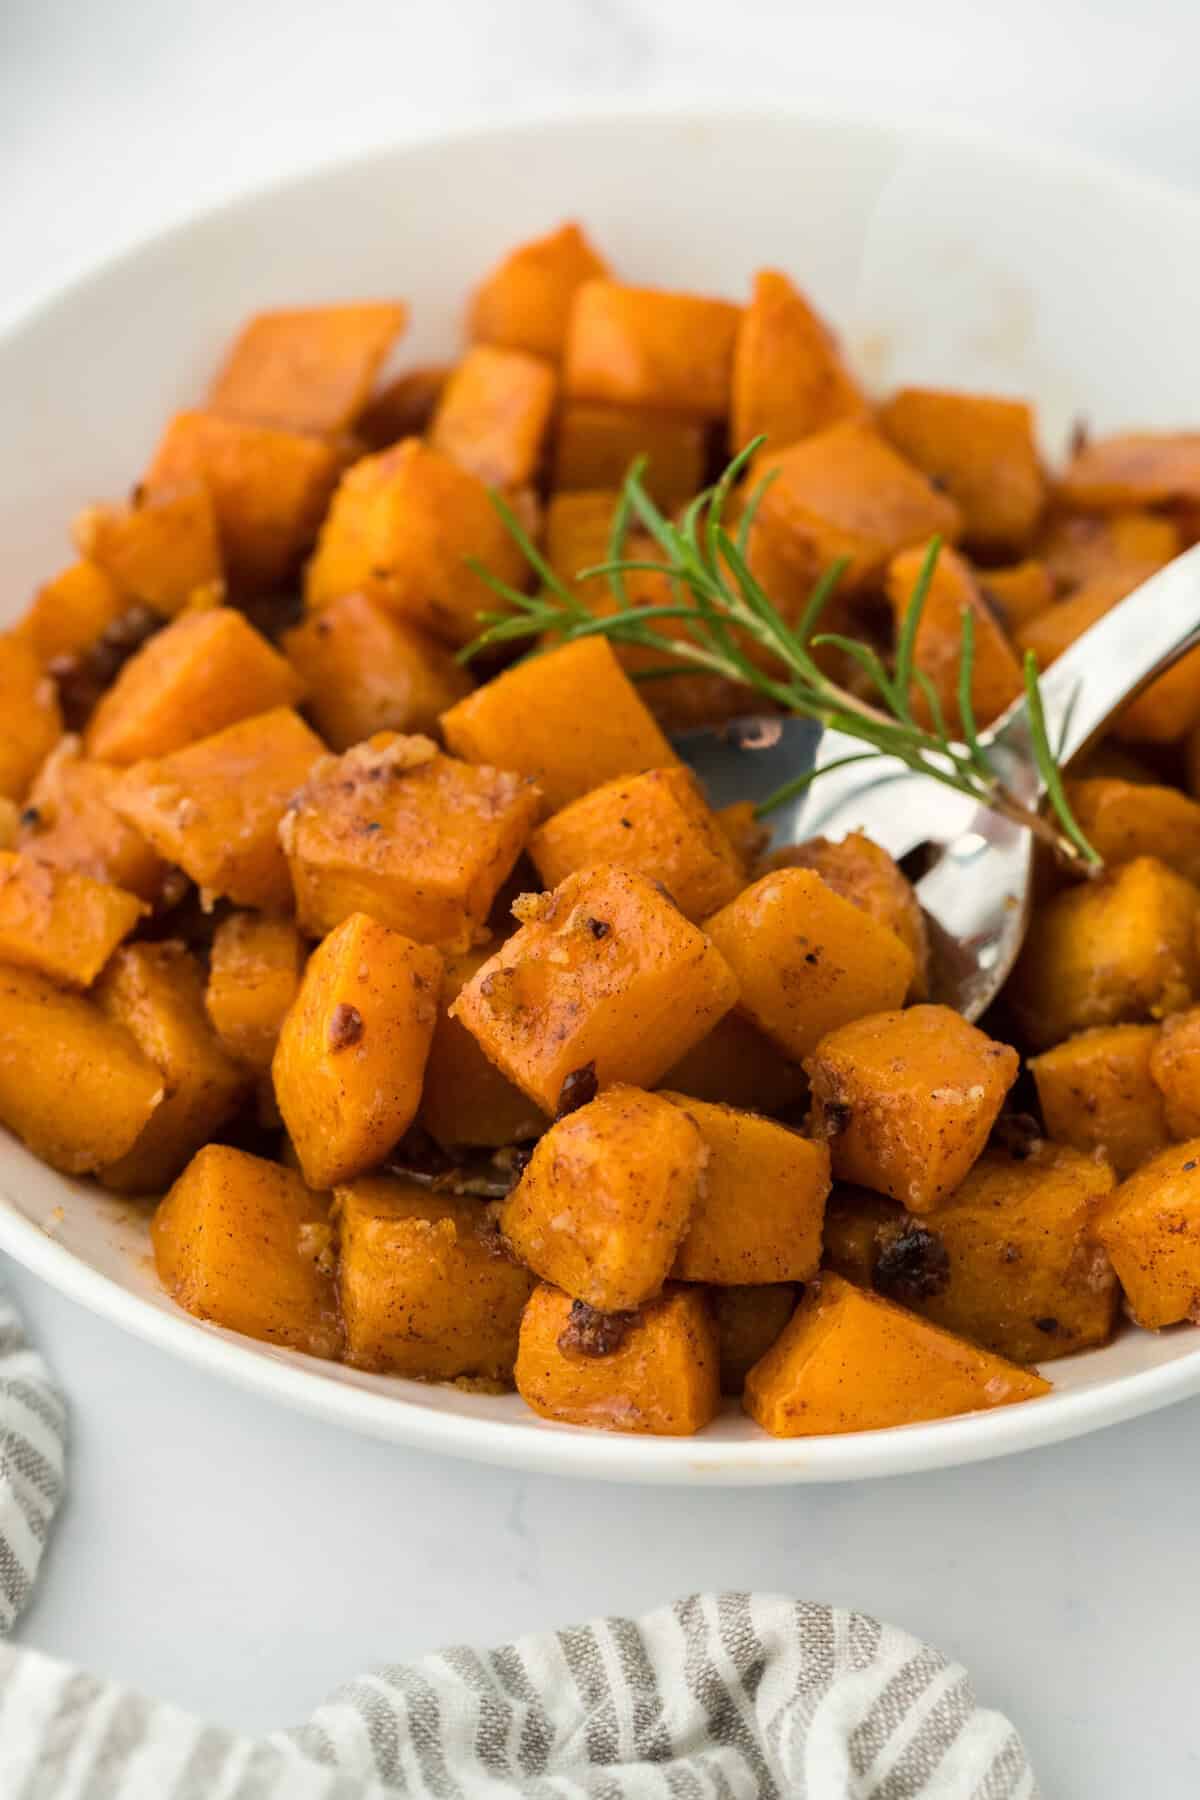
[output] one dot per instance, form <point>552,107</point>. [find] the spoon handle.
<point>1142,635</point>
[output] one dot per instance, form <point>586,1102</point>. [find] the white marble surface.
<point>238,1560</point>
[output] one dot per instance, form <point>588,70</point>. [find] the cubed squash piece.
<point>658,824</point>
<point>571,718</point>
<point>851,1361</point>
<point>907,1099</point>
<point>1126,819</point>
<point>845,493</point>
<point>630,346</point>
<point>205,671</point>
<point>426,1288</point>
<point>69,613</point>
<point>595,446</point>
<point>254,972</point>
<point>524,303</point>
<point>1121,948</point>
<point>62,923</point>
<point>745,830</point>
<point>859,1224</point>
<point>604,971</point>
<point>661,1378</point>
<point>761,1202</point>
<point>366,671</point>
<point>1165,711</point>
<point>244,1243</point>
<point>789,377</point>
<point>494,414</point>
<point>156,991</point>
<point>161,549</point>
<point>1097,1092</point>
<point>806,960</point>
<point>269,489</point>
<point>1056,628</point>
<point>466,1100</point>
<point>1125,546</point>
<point>30,720</point>
<point>351,1053</point>
<point>419,840</point>
<point>863,873</point>
<point>403,528</point>
<point>74,1086</point>
<point>1174,1065</point>
<point>1133,468</point>
<point>1151,1230</point>
<point>1019,1268</point>
<point>69,822</point>
<point>214,807</point>
<point>1018,593</point>
<point>996,679</point>
<point>749,1319</point>
<point>607,1197</point>
<point>308,368</point>
<point>981,451</point>
<point>736,1065</point>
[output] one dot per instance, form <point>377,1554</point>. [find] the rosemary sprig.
<point>723,620</point>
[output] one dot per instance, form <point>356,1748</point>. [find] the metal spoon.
<point>978,866</point>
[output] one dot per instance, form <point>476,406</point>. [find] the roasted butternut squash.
<point>629,346</point>
<point>1097,1092</point>
<point>57,921</point>
<point>525,302</point>
<point>981,451</point>
<point>254,972</point>
<point>789,377</point>
<point>308,368</point>
<point>494,413</point>
<point>1151,1230</point>
<point>161,549</point>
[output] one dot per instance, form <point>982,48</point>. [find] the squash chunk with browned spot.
<point>1151,1230</point>
<point>426,1289</point>
<point>417,839</point>
<point>906,1100</point>
<point>70,823</point>
<point>863,873</point>
<point>466,1100</point>
<point>607,1198</point>
<point>655,1371</point>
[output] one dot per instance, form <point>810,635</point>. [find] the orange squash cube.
<point>603,971</point>
<point>1119,949</point>
<point>269,489</point>
<point>758,1215</point>
<point>851,1361</point>
<point>1151,1230</point>
<point>30,720</point>
<point>466,1100</point>
<point>351,1052</point>
<point>419,840</point>
<point>68,614</point>
<point>607,1197</point>
<point>596,445</point>
<point>254,973</point>
<point>657,824</point>
<point>1165,711</point>
<point>1097,1092</point>
<point>1127,819</point>
<point>156,991</point>
<point>637,346</point>
<point>1133,468</point>
<point>906,1100</point>
<point>845,493</point>
<point>64,924</point>
<point>244,1243</point>
<point>525,302</point>
<point>1128,545</point>
<point>214,807</point>
<point>1174,1069</point>
<point>806,960</point>
<point>1055,629</point>
<point>983,453</point>
<point>69,822</point>
<point>736,1065</point>
<point>1017,594</point>
<point>403,528</point>
<point>161,549</point>
<point>368,672</point>
<point>662,1379</point>
<point>494,413</point>
<point>309,368</point>
<point>205,671</point>
<point>53,1045</point>
<point>789,378</point>
<point>571,718</point>
<point>863,873</point>
<point>996,679</point>
<point>749,1319</point>
<point>426,1289</point>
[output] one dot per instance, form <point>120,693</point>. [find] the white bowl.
<point>944,259</point>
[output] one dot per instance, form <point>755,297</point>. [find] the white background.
<point>240,1561</point>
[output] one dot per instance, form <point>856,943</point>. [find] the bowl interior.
<point>941,259</point>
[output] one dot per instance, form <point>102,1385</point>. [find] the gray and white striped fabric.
<point>720,1697</point>
<point>33,1424</point>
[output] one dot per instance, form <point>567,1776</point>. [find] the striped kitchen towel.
<point>32,1436</point>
